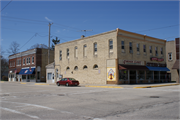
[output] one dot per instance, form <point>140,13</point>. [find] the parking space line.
<point>14,111</point>
<point>27,104</point>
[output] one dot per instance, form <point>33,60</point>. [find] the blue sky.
<point>21,20</point>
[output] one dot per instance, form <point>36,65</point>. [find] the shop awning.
<point>176,65</point>
<point>132,67</point>
<point>26,71</point>
<point>157,68</point>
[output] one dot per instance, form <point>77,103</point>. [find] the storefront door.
<point>132,76</point>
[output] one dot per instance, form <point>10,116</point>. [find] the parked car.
<point>68,82</point>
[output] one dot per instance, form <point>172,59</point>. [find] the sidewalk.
<point>135,86</point>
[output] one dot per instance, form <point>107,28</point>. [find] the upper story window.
<point>169,56</point>
<point>150,49</point>
<point>76,52</point>
<point>60,55</point>
<point>156,51</point>
<point>32,59</point>
<point>27,61</point>
<point>18,62</point>
<point>137,47</point>
<point>68,53</point>
<point>95,48</point>
<point>85,50</point>
<point>110,45</point>
<point>122,45</point>
<point>144,48</point>
<point>161,51</point>
<point>12,64</point>
<point>130,47</point>
<point>24,61</point>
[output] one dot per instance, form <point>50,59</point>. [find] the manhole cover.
<point>154,96</point>
<point>61,94</point>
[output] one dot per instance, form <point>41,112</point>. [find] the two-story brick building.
<point>113,57</point>
<point>29,66</point>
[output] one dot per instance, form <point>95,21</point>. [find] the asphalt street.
<point>25,101</point>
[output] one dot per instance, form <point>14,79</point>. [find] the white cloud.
<point>48,19</point>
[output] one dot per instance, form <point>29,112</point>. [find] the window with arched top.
<point>76,68</point>
<point>67,68</point>
<point>95,66</point>
<point>85,50</point>
<point>85,67</point>
<point>95,48</point>
<point>76,52</point>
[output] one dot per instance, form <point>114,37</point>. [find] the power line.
<point>28,40</point>
<point>158,28</point>
<point>23,19</point>
<point>6,6</point>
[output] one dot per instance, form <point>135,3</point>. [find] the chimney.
<point>82,36</point>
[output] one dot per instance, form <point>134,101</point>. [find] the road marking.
<point>23,83</point>
<point>27,104</point>
<point>14,111</point>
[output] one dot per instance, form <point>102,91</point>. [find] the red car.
<point>68,82</point>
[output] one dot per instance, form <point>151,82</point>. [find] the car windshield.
<point>71,79</point>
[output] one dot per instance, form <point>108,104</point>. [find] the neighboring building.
<point>50,73</point>
<point>114,57</point>
<point>171,59</point>
<point>29,66</point>
<point>176,64</point>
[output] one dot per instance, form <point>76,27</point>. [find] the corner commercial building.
<point>29,66</point>
<point>113,57</point>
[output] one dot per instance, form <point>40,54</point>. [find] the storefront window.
<point>163,75</point>
<point>156,76</point>
<point>141,75</point>
<point>32,76</point>
<point>149,75</point>
<point>23,76</point>
<point>123,75</point>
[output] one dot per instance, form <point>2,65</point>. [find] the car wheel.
<point>58,84</point>
<point>67,84</point>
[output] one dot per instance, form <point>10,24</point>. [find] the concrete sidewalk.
<point>108,85</point>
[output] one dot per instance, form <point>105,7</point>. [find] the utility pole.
<point>49,41</point>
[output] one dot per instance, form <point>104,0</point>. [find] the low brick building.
<point>113,57</point>
<point>29,66</point>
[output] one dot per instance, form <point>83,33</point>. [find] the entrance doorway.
<point>132,76</point>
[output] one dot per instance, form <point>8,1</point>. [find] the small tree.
<point>54,42</point>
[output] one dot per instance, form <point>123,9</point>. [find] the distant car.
<point>68,82</point>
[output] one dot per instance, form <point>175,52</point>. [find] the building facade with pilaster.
<point>113,57</point>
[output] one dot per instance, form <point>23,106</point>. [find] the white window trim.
<point>32,59</point>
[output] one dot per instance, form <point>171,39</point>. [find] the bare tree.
<point>14,48</point>
<point>38,46</point>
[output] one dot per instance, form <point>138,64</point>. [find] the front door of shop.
<point>132,76</point>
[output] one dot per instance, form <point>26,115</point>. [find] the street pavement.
<point>30,101</point>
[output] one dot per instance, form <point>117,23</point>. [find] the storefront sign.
<point>157,59</point>
<point>111,74</point>
<point>132,62</point>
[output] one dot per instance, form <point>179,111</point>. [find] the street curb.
<point>41,84</point>
<point>2,81</point>
<point>23,83</point>
<point>157,86</point>
<point>103,86</point>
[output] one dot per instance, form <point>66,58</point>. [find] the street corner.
<point>103,86</point>
<point>152,86</point>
